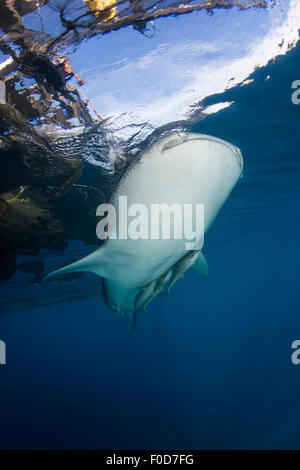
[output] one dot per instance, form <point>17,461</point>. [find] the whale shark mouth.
<point>182,138</point>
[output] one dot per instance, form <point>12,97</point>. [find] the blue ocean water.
<point>208,368</point>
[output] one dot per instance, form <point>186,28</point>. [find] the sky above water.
<point>189,57</point>
<point>159,76</point>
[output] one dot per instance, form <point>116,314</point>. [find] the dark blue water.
<point>211,366</point>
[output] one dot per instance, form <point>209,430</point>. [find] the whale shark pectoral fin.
<point>201,266</point>
<point>94,262</point>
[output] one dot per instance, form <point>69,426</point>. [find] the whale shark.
<point>182,168</point>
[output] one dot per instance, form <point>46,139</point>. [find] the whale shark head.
<point>200,141</point>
